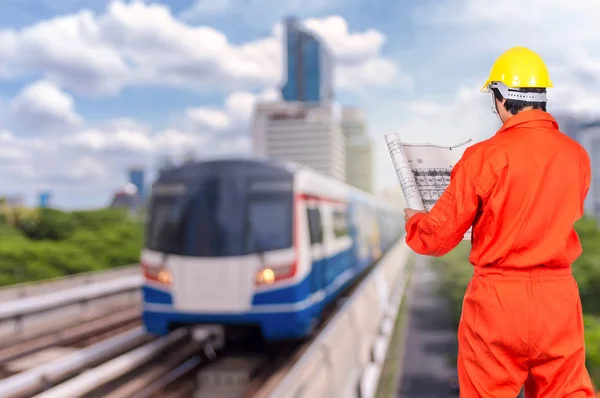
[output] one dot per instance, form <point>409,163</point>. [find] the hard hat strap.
<point>517,94</point>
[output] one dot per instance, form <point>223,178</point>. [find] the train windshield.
<point>166,226</point>
<point>269,223</point>
<point>221,217</point>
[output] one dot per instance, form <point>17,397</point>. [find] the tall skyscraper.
<point>359,149</point>
<point>136,177</point>
<point>589,137</point>
<point>297,132</point>
<point>309,66</point>
<point>44,199</point>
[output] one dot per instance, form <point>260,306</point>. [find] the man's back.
<point>541,177</point>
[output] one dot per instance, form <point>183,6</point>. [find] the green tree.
<point>48,224</point>
<point>50,243</point>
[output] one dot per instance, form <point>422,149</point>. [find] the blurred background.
<point>98,98</point>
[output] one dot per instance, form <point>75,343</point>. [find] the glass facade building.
<point>44,199</point>
<point>309,66</point>
<point>136,177</point>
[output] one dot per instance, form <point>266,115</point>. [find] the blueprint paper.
<point>424,170</point>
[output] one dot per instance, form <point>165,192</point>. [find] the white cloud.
<point>228,122</point>
<point>9,153</point>
<point>258,11</point>
<point>7,48</point>
<point>89,168</point>
<point>143,44</point>
<point>71,50</point>
<point>350,48</point>
<point>358,55</point>
<point>90,165</point>
<point>44,107</point>
<point>212,118</point>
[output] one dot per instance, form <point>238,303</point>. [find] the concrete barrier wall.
<point>342,361</point>
<point>37,314</point>
<point>47,286</point>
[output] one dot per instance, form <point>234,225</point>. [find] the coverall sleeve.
<point>442,229</point>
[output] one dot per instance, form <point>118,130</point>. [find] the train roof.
<point>310,180</point>
<point>315,183</point>
<point>192,171</point>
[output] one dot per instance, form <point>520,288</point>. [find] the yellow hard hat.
<point>519,67</point>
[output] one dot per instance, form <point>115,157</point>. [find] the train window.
<point>269,223</point>
<point>166,228</point>
<point>340,223</point>
<point>315,226</point>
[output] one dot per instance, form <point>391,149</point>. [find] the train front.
<point>219,237</point>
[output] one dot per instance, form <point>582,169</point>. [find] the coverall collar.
<point>533,115</point>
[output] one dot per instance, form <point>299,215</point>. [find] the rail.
<point>28,315</point>
<point>109,361</point>
<point>117,367</point>
<point>55,371</point>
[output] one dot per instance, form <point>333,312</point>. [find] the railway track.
<point>110,355</point>
<point>76,334</point>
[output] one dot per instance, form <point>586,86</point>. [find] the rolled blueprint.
<point>404,173</point>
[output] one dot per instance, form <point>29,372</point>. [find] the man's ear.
<point>499,103</point>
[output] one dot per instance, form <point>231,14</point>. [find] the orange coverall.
<point>521,323</point>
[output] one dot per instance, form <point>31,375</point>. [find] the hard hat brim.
<point>485,88</point>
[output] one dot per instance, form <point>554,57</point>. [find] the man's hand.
<point>408,213</point>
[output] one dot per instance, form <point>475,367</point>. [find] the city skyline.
<point>137,79</point>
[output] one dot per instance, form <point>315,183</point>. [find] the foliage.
<point>592,346</point>
<point>45,243</point>
<point>455,272</point>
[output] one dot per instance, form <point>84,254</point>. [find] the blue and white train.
<point>253,243</point>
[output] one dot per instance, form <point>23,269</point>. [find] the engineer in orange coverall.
<point>521,190</point>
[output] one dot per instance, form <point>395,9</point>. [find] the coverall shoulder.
<point>521,191</point>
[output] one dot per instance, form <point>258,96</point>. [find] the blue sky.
<point>88,87</point>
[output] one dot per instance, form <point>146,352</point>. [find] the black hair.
<point>515,106</point>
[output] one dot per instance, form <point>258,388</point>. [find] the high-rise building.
<point>136,177</point>
<point>297,132</point>
<point>127,197</point>
<point>589,137</point>
<point>44,198</point>
<point>359,149</point>
<point>309,66</point>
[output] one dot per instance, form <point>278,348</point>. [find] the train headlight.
<point>158,274</point>
<point>275,273</point>
<point>164,276</point>
<point>265,276</point>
